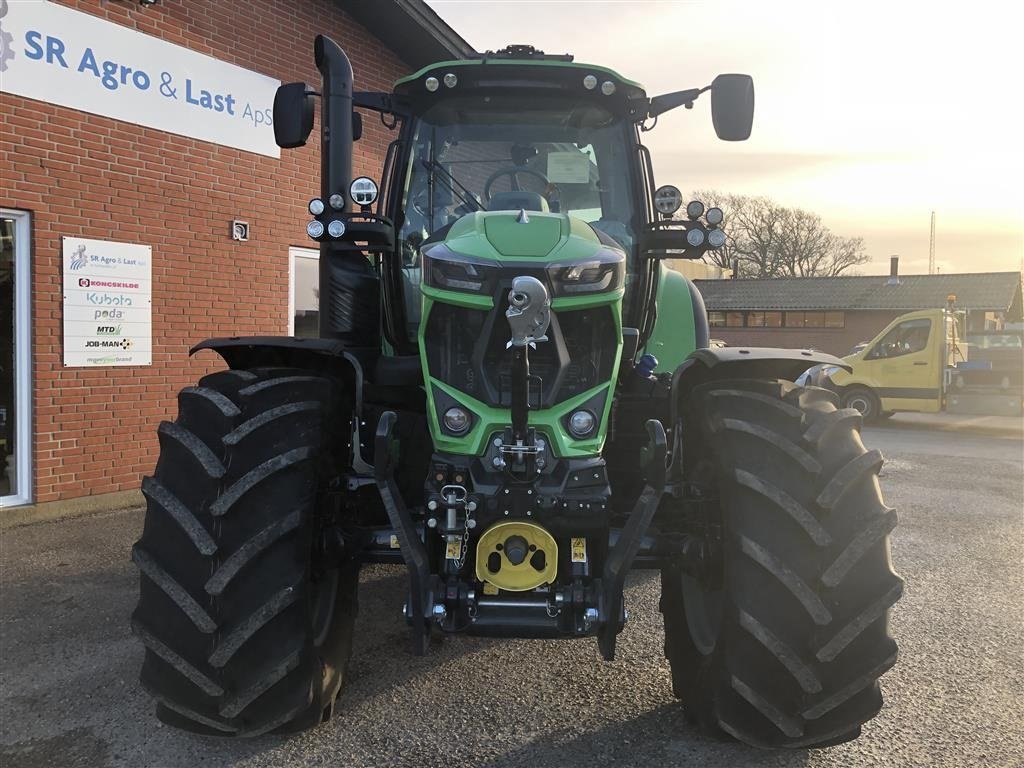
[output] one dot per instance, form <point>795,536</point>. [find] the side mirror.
<point>732,106</point>
<point>293,115</point>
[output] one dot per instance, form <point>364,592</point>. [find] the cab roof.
<point>501,72</point>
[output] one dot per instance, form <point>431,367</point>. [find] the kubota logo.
<point>6,40</point>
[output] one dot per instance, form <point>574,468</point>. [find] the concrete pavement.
<point>68,666</point>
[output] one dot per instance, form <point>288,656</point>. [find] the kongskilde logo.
<point>86,282</point>
<point>109,299</point>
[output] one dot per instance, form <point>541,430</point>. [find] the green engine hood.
<point>505,235</point>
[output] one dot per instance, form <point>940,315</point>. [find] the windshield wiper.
<point>452,182</point>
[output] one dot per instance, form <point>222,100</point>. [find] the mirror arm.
<point>658,105</point>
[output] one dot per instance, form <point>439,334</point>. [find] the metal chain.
<point>465,541</point>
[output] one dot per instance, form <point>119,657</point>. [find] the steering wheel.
<point>514,174</point>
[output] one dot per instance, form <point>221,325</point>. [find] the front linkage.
<point>544,607</point>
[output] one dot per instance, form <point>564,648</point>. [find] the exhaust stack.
<point>349,287</point>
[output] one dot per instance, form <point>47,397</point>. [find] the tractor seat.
<point>515,201</point>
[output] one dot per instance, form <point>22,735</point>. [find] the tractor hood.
<point>503,235</point>
<point>485,250</point>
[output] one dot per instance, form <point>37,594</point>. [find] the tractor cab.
<point>512,131</point>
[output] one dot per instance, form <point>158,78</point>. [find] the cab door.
<point>907,365</point>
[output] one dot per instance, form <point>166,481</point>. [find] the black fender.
<point>323,356</point>
<point>720,363</point>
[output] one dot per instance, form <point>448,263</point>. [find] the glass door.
<point>15,360</point>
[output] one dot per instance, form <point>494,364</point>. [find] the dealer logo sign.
<point>6,40</point>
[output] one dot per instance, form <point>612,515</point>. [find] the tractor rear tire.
<point>246,622</point>
<point>780,643</point>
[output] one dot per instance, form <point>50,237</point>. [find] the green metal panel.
<point>497,235</point>
<point>535,237</point>
<point>674,334</point>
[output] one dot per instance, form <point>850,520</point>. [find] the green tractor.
<point>513,396</point>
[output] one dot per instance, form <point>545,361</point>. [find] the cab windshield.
<point>507,153</point>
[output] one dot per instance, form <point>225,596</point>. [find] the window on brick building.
<point>716,319</point>
<point>734,319</point>
<point>772,319</point>
<point>835,319</point>
<point>794,319</point>
<point>755,319</point>
<point>814,319</point>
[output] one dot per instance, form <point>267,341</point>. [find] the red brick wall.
<point>861,325</point>
<point>89,176</point>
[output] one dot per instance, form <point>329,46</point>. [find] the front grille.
<point>467,349</point>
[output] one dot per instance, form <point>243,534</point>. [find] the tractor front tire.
<point>781,640</point>
<point>246,621</point>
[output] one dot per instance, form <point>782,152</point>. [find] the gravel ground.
<point>68,666</point>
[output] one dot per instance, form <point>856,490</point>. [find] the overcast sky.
<point>871,114</point>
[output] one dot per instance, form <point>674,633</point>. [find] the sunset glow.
<point>872,115</point>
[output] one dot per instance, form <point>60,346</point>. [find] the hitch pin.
<point>452,519</point>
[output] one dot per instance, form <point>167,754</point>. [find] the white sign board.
<point>67,57</point>
<point>108,289</point>
<point>568,168</point>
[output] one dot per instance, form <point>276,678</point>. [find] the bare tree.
<point>766,239</point>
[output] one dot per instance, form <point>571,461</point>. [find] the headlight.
<point>695,237</point>
<point>456,420</point>
<point>590,82</point>
<point>336,201</point>
<point>363,190</point>
<point>444,269</point>
<point>695,209</point>
<point>604,271</point>
<point>315,229</point>
<point>432,83</point>
<point>667,199</point>
<point>316,206</point>
<point>714,216</point>
<point>581,423</point>
<point>451,80</point>
<point>336,228</point>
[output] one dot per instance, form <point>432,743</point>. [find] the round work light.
<point>581,423</point>
<point>456,420</point>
